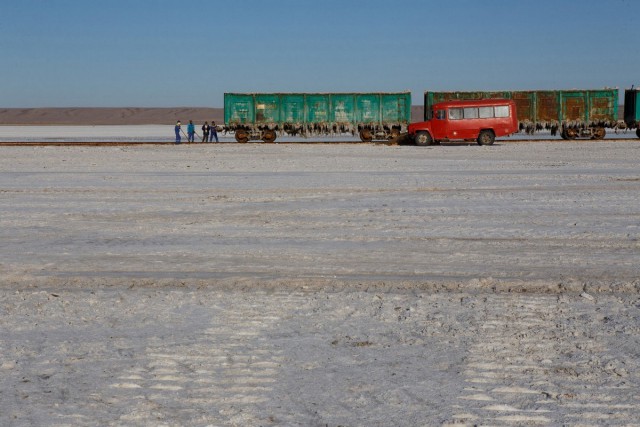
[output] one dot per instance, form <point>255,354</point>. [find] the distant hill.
<point>108,116</point>
<point>123,116</point>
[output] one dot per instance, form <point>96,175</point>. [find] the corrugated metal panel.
<point>368,108</point>
<point>603,107</point>
<point>292,108</point>
<point>343,110</point>
<point>238,109</point>
<point>546,111</point>
<point>317,108</point>
<point>573,107</point>
<point>525,106</point>
<point>267,108</point>
<point>395,108</point>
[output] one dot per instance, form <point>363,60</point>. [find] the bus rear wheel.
<point>486,137</point>
<point>423,139</point>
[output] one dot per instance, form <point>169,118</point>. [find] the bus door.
<point>439,124</point>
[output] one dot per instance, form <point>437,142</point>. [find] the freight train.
<point>380,116</point>
<point>262,116</point>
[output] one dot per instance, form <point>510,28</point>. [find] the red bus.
<point>482,120</point>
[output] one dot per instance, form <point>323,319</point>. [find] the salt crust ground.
<point>355,285</point>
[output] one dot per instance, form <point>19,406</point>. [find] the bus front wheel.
<point>423,139</point>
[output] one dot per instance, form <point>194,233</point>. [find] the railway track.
<point>78,143</point>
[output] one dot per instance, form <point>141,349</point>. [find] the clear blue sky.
<point>160,53</point>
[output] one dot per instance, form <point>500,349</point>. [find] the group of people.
<point>209,132</point>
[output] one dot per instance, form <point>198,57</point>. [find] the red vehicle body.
<point>482,120</point>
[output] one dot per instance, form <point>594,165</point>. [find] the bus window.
<point>440,115</point>
<point>455,113</point>
<point>486,112</point>
<point>471,113</point>
<point>502,111</point>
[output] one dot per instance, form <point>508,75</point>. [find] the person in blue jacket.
<point>191,131</point>
<point>178,129</point>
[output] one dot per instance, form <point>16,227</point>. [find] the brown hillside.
<point>122,116</point>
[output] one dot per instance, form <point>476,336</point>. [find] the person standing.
<point>191,131</point>
<point>205,132</point>
<point>178,129</point>
<point>213,132</point>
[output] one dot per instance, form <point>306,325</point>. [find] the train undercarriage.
<point>268,135</point>
<point>570,132</point>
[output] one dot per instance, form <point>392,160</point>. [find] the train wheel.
<point>423,139</point>
<point>269,136</point>
<point>242,136</point>
<point>638,132</point>
<point>486,137</point>
<point>366,135</point>
<point>571,133</point>
<point>599,133</point>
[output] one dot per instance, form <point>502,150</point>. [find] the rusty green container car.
<point>262,116</point>
<point>632,109</point>
<point>573,113</point>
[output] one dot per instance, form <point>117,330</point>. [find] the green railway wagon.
<point>632,109</point>
<point>262,116</point>
<point>573,113</point>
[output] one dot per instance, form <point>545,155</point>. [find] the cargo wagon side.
<point>263,116</point>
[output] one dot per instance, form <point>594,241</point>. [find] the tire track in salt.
<point>221,376</point>
<point>532,364</point>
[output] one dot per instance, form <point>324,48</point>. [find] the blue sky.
<point>160,53</point>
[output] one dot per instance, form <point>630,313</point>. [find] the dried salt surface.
<point>320,285</point>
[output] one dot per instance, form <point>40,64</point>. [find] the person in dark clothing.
<point>205,132</point>
<point>213,132</point>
